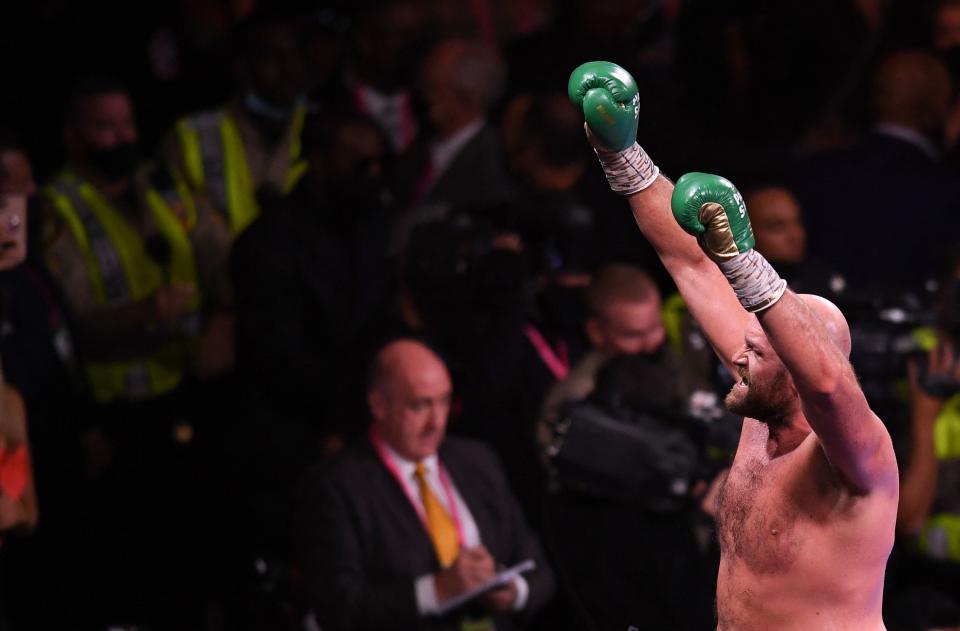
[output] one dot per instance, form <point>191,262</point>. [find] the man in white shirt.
<point>898,165</point>
<point>459,164</point>
<point>408,519</point>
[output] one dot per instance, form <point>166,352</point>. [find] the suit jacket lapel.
<point>458,172</point>
<point>474,497</point>
<point>401,514</point>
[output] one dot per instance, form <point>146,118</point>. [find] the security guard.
<point>122,254</point>
<point>936,520</point>
<point>252,144</point>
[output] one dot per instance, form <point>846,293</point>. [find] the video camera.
<point>633,442</point>
<point>884,338</point>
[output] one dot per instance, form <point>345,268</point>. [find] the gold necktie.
<point>443,532</point>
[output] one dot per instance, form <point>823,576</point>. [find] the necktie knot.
<point>420,470</point>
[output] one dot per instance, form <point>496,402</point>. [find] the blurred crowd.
<point>318,314</point>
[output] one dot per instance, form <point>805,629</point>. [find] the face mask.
<point>116,163</point>
<point>259,106</point>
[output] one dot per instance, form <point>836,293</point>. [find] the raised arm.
<point>809,334</point>
<point>707,295</point>
<point>608,96</point>
<point>853,438</point>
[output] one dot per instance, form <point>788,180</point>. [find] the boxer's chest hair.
<point>757,524</point>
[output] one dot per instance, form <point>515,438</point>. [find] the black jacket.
<point>362,544</point>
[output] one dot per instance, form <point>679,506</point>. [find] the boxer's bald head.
<point>833,320</point>
<point>409,397</point>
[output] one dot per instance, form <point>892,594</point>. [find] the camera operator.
<point>928,516</point>
<point>630,560</point>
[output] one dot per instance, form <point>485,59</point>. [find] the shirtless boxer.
<point>807,512</point>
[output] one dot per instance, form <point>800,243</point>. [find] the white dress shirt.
<point>392,112</point>
<point>907,134</point>
<point>444,152</point>
<point>426,589</point>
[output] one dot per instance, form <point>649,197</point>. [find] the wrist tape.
<point>628,171</point>
<point>754,281</point>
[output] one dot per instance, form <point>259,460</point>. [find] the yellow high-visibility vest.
<point>940,537</point>
<point>122,272</point>
<point>674,311</point>
<point>214,161</point>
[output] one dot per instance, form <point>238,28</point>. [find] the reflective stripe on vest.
<point>946,431</point>
<point>215,162</point>
<point>674,311</point>
<point>122,273</point>
<point>940,537</point>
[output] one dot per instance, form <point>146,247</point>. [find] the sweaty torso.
<point>799,550</point>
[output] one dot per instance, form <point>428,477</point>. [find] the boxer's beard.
<point>765,400</point>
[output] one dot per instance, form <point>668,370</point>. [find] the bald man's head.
<point>912,88</point>
<point>460,81</point>
<point>409,398</point>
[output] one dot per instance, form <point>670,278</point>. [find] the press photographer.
<point>624,537</point>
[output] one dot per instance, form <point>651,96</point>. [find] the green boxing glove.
<point>609,98</point>
<point>711,208</point>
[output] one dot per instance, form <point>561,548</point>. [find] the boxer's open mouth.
<point>6,246</point>
<point>744,377</point>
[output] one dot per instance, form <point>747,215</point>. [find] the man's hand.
<point>501,599</point>
<point>472,568</point>
<point>931,387</point>
<point>609,97</point>
<point>172,302</point>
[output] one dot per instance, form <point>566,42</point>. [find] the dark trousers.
<point>138,535</point>
<point>626,567</point>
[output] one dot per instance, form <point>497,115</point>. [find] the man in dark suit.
<point>407,518</point>
<point>892,187</point>
<point>459,165</point>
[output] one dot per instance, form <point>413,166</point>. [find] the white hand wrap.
<point>754,281</point>
<point>628,171</point>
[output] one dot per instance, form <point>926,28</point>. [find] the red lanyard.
<point>387,459</point>
<point>558,362</point>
